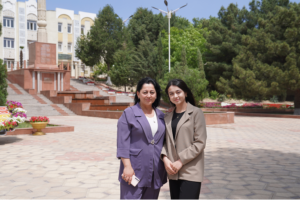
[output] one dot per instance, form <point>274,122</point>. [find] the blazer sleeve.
<point>123,137</point>
<point>164,150</point>
<point>199,142</point>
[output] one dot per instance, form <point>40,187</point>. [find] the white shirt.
<point>153,123</point>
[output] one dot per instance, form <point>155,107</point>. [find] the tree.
<point>104,40</point>
<point>192,77</point>
<point>268,63</point>
<point>99,69</point>
<point>121,72</point>
<point>21,57</point>
<point>145,24</point>
<point>145,60</point>
<point>192,38</point>
<point>3,76</point>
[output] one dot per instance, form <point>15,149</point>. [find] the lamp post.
<point>127,19</point>
<point>169,15</point>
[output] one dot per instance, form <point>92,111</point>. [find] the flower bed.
<point>245,105</point>
<point>17,116</point>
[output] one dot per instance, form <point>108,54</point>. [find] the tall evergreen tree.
<point>105,38</point>
<point>192,77</point>
<point>145,24</point>
<point>121,72</point>
<point>3,76</point>
<point>268,63</point>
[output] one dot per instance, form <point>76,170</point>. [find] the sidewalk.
<point>255,158</point>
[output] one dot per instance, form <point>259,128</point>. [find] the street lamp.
<point>127,19</point>
<point>169,15</point>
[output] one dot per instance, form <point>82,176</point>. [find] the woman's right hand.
<point>168,166</point>
<point>128,172</point>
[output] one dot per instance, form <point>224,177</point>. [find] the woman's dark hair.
<point>139,86</point>
<point>182,85</point>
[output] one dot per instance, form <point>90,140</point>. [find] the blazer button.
<point>152,142</point>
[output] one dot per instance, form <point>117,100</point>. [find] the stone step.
<point>64,108</point>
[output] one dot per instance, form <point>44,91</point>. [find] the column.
<point>54,81</point>
<point>38,82</point>
<point>62,81</point>
<point>33,80</point>
<point>58,81</point>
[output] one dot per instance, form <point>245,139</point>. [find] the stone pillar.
<point>42,23</point>
<point>11,67</point>
<point>76,70</point>
<point>18,65</point>
<point>68,66</point>
<point>297,102</point>
<point>38,82</point>
<point>58,81</point>
<point>24,64</point>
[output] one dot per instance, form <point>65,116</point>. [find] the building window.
<point>9,63</point>
<point>60,27</point>
<point>69,47</point>
<point>82,30</point>
<point>69,28</point>
<point>31,25</point>
<point>59,47</point>
<point>8,22</point>
<point>9,43</point>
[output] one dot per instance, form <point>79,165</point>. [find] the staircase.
<point>79,85</point>
<point>36,105</point>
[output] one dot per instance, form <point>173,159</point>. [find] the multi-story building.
<point>19,28</point>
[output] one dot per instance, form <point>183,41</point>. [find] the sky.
<point>125,8</point>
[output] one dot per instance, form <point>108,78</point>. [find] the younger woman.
<point>183,151</point>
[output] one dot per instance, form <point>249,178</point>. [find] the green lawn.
<point>28,125</point>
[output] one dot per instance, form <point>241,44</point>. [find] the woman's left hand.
<point>177,165</point>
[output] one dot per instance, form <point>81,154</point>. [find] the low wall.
<point>249,110</point>
<point>50,129</point>
<point>219,118</point>
<point>268,115</point>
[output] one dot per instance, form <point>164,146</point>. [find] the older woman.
<point>141,132</point>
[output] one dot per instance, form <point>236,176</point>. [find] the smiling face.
<point>176,95</point>
<point>147,94</point>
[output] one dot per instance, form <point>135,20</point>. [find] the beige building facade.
<point>19,29</point>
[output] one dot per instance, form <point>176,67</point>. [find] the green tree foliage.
<point>104,40</point>
<point>3,83</point>
<point>176,21</point>
<point>99,69</point>
<point>148,60</point>
<point>268,63</point>
<point>122,72</point>
<point>145,24</point>
<point>192,77</point>
<point>3,76</point>
<point>192,38</point>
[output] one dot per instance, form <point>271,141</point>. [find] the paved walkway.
<point>255,158</point>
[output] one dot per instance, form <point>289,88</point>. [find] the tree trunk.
<point>21,59</point>
<point>108,66</point>
<point>297,102</point>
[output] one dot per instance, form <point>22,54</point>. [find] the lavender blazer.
<point>135,141</point>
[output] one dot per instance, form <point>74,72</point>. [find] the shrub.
<point>274,99</point>
<point>3,84</point>
<point>214,94</point>
<point>222,98</point>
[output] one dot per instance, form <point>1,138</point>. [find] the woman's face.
<point>147,94</point>
<point>176,95</point>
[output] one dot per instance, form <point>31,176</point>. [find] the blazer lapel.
<point>141,118</point>
<point>168,120</point>
<point>186,117</point>
<point>160,123</point>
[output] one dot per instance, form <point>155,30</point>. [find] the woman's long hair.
<point>182,85</point>
<point>139,86</point>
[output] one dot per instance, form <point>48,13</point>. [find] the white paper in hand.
<point>135,181</point>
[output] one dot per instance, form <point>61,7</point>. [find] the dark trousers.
<point>182,189</point>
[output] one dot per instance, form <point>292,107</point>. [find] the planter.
<point>3,132</point>
<point>39,126</point>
